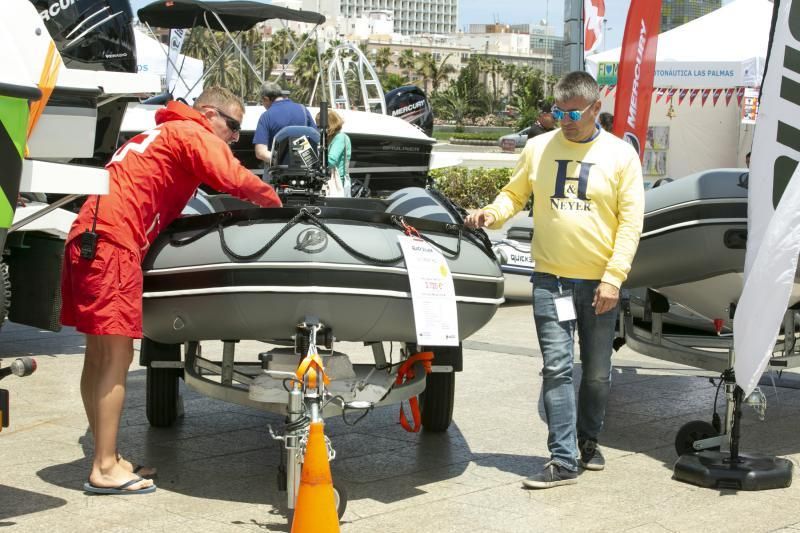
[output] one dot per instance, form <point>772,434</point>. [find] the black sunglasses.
<point>233,124</point>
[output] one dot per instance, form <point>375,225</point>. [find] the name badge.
<point>565,307</point>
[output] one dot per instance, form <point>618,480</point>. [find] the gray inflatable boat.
<point>694,239</point>
<point>257,273</point>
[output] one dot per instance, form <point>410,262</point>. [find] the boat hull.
<point>317,267</point>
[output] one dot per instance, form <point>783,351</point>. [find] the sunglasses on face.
<point>574,115</point>
<point>233,124</point>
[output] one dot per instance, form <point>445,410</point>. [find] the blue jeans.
<point>556,341</point>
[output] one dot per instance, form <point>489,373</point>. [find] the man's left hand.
<point>606,297</point>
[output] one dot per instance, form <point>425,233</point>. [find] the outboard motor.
<point>410,103</point>
<point>91,34</point>
<point>295,168</point>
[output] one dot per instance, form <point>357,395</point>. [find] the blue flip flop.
<point>122,489</point>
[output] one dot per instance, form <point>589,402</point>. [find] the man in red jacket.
<point>152,177</point>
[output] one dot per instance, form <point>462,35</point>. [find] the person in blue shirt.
<point>339,149</point>
<point>281,112</point>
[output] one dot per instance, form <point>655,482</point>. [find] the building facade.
<point>410,16</point>
<point>677,12</point>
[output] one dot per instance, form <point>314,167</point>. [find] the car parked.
<point>519,138</point>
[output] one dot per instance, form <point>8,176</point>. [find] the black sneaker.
<point>552,475</point>
<point>591,456</point>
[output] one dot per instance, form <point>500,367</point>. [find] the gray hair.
<point>576,84</point>
<point>272,90</point>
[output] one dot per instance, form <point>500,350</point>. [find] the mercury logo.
<point>637,73</point>
<point>56,8</point>
<point>406,109</point>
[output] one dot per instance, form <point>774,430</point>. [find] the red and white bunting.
<point>739,95</point>
<point>671,93</point>
<point>681,95</point>
<point>610,89</point>
<point>692,95</point>
<point>728,96</point>
<point>659,94</point>
<point>715,96</point>
<point>704,96</point>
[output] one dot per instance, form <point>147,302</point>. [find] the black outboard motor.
<point>91,34</point>
<point>295,168</point>
<point>410,103</point>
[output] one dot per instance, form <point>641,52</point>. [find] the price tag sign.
<point>432,293</point>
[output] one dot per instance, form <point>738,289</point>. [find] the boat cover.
<point>237,15</point>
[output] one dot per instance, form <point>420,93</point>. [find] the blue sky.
<point>526,12</point>
<point>533,11</point>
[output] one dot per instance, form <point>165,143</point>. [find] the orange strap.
<point>405,373</point>
<point>312,365</point>
<point>409,230</point>
<point>47,81</point>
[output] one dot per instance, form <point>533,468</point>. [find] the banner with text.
<point>636,69</point>
<point>773,210</point>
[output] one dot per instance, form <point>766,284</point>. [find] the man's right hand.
<point>479,219</point>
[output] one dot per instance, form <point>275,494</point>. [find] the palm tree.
<point>509,74</point>
<point>391,81</point>
<point>208,46</point>
<point>383,58</point>
<point>433,71</point>
<point>495,67</point>
<point>528,94</point>
<point>457,102</point>
<point>305,74</point>
<point>407,62</point>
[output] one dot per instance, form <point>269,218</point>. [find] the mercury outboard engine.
<point>410,103</point>
<point>91,34</point>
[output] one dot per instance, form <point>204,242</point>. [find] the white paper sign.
<point>432,293</point>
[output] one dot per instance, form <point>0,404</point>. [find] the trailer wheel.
<point>162,383</point>
<point>436,401</point>
<point>5,292</point>
<point>691,432</point>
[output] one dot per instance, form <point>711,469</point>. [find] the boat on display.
<point>389,153</point>
<point>516,262</point>
<point>337,259</point>
<point>513,253</point>
<point>317,271</point>
<point>692,253</point>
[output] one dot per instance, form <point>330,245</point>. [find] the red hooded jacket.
<point>152,176</point>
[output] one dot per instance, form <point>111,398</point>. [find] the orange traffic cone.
<point>315,509</point>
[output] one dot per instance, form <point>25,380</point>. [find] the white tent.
<point>151,57</point>
<point>707,62</point>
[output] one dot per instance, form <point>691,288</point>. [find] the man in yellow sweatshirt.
<point>588,204</point>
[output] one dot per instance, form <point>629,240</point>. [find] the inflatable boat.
<point>257,273</point>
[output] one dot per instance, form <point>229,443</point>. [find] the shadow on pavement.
<point>222,451</point>
<point>18,502</point>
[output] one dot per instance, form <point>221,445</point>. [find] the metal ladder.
<point>345,58</point>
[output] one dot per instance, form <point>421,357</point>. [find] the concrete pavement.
<point>218,466</point>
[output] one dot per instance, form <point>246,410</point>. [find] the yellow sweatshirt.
<point>588,205</point>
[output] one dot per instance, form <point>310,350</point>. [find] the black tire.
<point>436,401</point>
<point>340,496</point>
<point>690,433</point>
<point>162,383</point>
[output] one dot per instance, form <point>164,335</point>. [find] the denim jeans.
<point>556,341</point>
